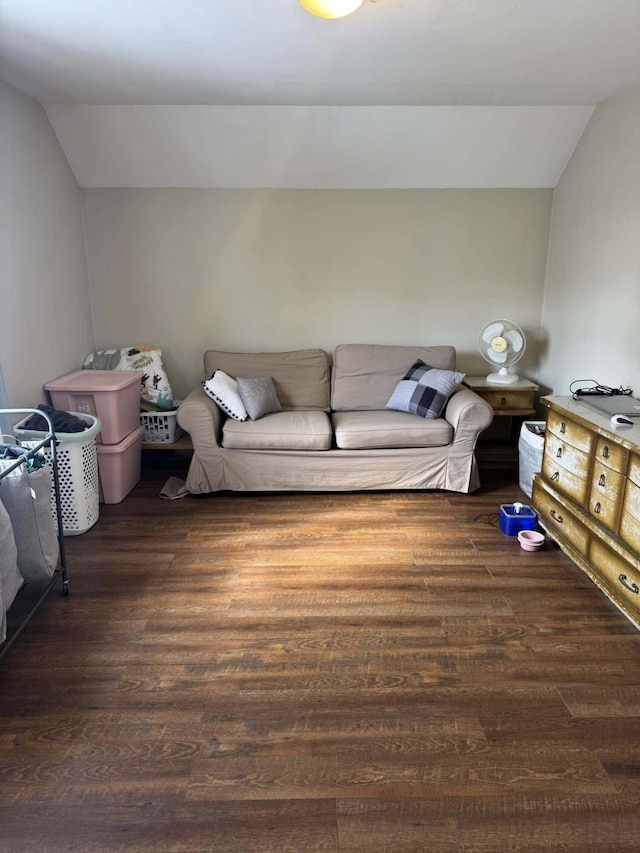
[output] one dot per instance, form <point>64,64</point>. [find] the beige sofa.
<point>334,432</point>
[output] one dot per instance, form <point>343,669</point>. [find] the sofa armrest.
<point>468,414</point>
<point>202,419</point>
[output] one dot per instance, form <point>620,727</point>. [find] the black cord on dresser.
<point>595,389</point>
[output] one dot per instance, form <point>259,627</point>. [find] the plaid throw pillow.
<point>424,390</point>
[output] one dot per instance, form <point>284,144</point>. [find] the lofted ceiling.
<point>431,60</point>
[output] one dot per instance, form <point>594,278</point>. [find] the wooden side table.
<point>183,443</point>
<point>498,445</point>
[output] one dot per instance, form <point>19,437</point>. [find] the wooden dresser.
<point>588,497</point>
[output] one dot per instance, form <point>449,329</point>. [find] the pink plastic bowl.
<point>530,540</point>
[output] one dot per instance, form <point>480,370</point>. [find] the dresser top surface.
<point>628,436</point>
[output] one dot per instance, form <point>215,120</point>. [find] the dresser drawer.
<point>629,528</point>
<point>508,399</point>
<point>604,511</point>
<point>633,470</point>
<point>573,487</point>
<point>619,575</point>
<point>561,453</point>
<point>559,521</point>
<point>570,431</point>
<point>612,455</point>
<point>607,491</point>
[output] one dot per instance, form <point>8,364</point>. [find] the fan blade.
<point>515,339</point>
<point>492,330</point>
<point>498,357</point>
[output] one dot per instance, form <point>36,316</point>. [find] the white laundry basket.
<point>160,427</point>
<point>530,447</point>
<point>77,457</point>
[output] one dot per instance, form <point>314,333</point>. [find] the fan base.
<point>502,378</point>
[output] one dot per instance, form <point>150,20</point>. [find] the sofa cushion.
<point>360,430</point>
<point>280,431</point>
<point>301,378</point>
<point>425,390</point>
<point>364,376</point>
<point>259,396</point>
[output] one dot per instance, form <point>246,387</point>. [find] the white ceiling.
<point>318,147</point>
<point>416,54</point>
<point>400,52</point>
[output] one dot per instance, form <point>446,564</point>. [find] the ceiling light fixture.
<point>331,8</point>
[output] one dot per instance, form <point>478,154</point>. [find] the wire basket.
<point>160,427</point>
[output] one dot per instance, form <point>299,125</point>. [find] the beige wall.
<point>189,270</point>
<point>45,312</point>
<point>591,315</point>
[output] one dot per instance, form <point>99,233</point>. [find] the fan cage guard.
<point>505,374</point>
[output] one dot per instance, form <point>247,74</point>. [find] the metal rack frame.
<point>61,571</point>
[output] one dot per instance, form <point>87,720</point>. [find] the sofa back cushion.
<point>301,378</point>
<point>365,375</point>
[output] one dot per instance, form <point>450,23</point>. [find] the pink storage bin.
<point>119,467</point>
<point>111,395</point>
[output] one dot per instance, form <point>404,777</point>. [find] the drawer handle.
<point>503,401</point>
<point>559,453</point>
<point>555,475</point>
<point>601,481</point>
<point>563,428</point>
<point>556,515</point>
<point>632,587</point>
<point>597,508</point>
<point>605,451</point>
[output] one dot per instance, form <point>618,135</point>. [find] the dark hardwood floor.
<point>325,672</point>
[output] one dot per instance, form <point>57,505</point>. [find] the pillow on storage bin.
<point>155,389</point>
<point>223,390</point>
<point>259,396</point>
<point>424,390</point>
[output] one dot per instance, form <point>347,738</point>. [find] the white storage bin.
<point>77,457</point>
<point>530,448</point>
<point>160,427</point>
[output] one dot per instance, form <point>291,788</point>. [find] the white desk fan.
<point>503,343</point>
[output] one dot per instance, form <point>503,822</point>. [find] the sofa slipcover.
<point>357,430</point>
<point>365,375</point>
<point>299,454</point>
<point>301,377</point>
<point>279,431</point>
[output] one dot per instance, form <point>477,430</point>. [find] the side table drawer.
<point>558,520</point>
<point>508,399</point>
<point>619,575</point>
